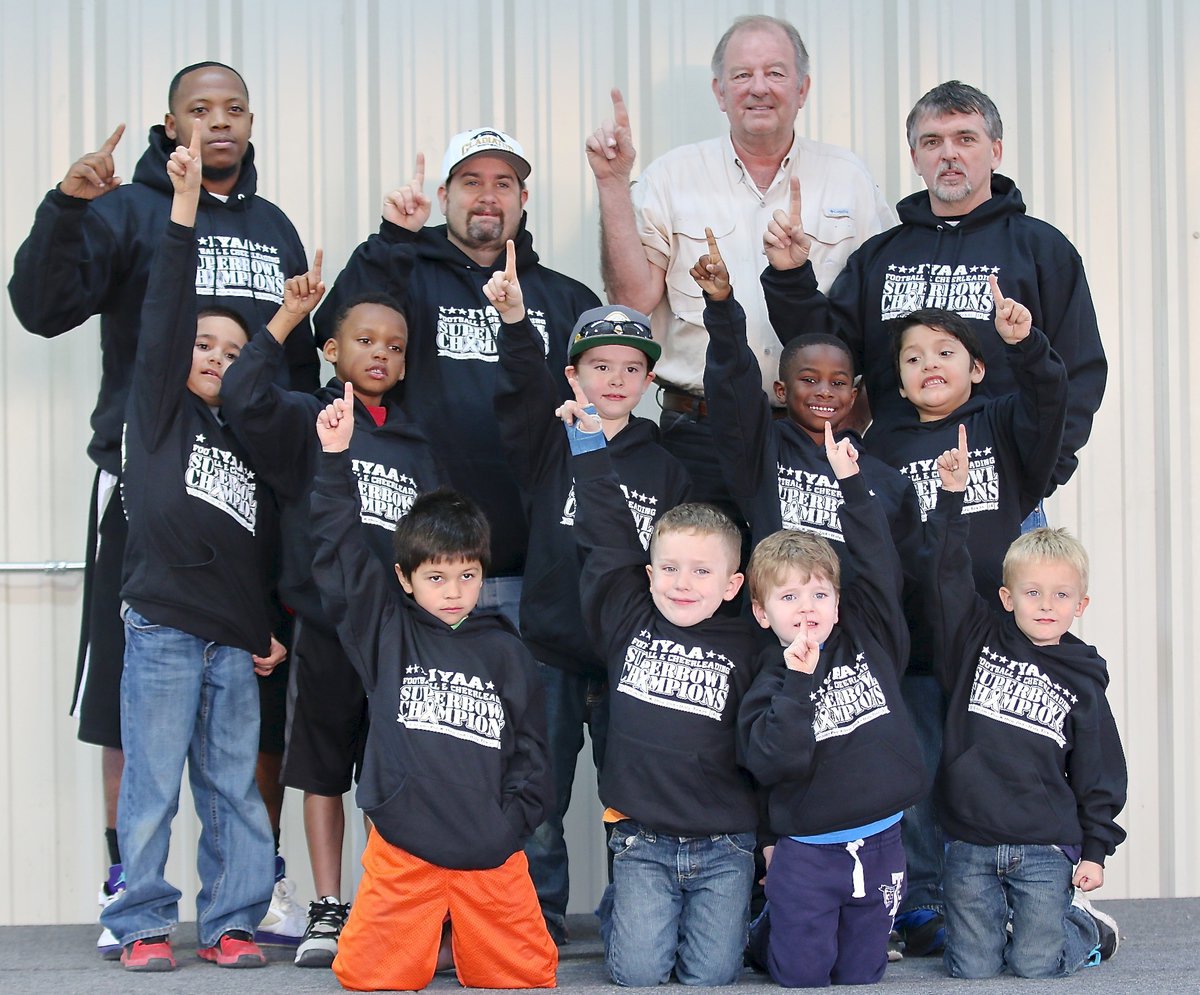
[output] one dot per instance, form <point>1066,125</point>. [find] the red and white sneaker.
<point>152,954</point>
<point>234,949</point>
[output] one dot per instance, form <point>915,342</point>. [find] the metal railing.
<point>48,567</point>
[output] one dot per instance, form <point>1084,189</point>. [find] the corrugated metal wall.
<point>1097,97</point>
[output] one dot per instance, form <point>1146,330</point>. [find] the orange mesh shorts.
<point>391,939</point>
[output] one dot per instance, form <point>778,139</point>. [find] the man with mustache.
<point>969,224</point>
<point>437,274</point>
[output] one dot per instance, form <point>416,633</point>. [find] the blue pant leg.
<point>504,595</point>
<point>646,903</point>
<point>546,849</point>
<point>160,697</point>
<point>976,910</point>
<point>717,874</point>
<point>236,855</point>
<point>806,886</point>
<point>866,920</point>
<point>923,844</point>
<point>1047,941</point>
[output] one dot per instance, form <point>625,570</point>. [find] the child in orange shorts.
<point>456,774</point>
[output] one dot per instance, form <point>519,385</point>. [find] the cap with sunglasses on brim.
<point>484,141</point>
<point>613,325</point>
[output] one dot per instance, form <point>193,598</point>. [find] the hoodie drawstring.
<point>860,884</point>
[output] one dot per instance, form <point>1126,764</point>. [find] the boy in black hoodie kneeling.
<point>1033,774</point>
<point>824,730</point>
<point>455,775</point>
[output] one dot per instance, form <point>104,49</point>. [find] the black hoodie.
<point>456,769</point>
<point>671,761</point>
<point>1014,443</point>
<point>835,749</point>
<point>452,354</point>
<point>538,452</point>
<point>93,257</point>
<point>392,462</point>
<point>1031,752</point>
<point>778,475</point>
<point>199,517</point>
<point>926,261</point>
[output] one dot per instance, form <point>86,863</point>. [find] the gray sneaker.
<point>325,921</point>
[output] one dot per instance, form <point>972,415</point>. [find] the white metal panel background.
<point>1098,98</point>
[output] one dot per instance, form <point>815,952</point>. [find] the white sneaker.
<point>325,921</point>
<point>107,945</point>
<point>1110,934</point>
<point>284,923</point>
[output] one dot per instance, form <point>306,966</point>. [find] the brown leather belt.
<point>688,404</point>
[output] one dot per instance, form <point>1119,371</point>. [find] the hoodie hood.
<point>151,169</point>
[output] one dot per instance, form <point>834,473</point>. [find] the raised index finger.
<point>714,254</point>
<point>620,111</point>
<point>794,204</point>
<point>510,260</point>
<point>194,146</point>
<point>962,438</point>
<point>318,261</point>
<point>997,297</point>
<point>419,175</point>
<point>580,397</point>
<point>111,142</point>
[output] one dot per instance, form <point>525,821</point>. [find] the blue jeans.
<point>923,846</point>
<point>676,903</point>
<point>1036,519</point>
<point>572,701</point>
<point>504,595</point>
<point>183,698</point>
<point>1050,936</point>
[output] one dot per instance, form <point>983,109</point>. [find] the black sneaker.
<point>326,919</point>
<point>923,932</point>
<point>1110,937</point>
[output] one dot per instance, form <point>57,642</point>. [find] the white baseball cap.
<point>484,141</point>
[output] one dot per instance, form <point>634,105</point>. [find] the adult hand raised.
<point>94,174</point>
<point>610,150</point>
<point>407,205</point>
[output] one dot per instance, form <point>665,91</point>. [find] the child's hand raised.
<point>710,272</point>
<point>953,464</point>
<point>1013,320</point>
<point>335,423</point>
<point>579,413</point>
<point>802,654</point>
<point>784,242</point>
<point>843,457</point>
<point>184,166</point>
<point>504,289</point>
<point>302,293</point>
